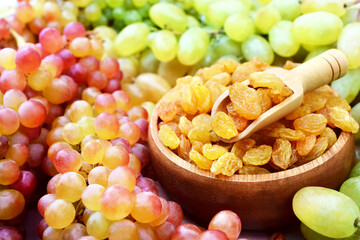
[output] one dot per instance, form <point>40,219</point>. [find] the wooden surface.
<point>317,72</point>
<point>261,201</point>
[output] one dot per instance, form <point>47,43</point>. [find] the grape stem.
<point>357,223</point>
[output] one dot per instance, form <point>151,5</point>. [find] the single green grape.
<point>316,51</point>
<point>333,6</point>
<point>131,16</point>
<point>148,62</point>
<point>100,3</point>
<point>266,18</point>
<point>139,3</point>
<point>349,44</point>
<point>355,171</point>
<point>317,28</point>
<point>210,57</point>
<point>350,16</point>
<point>282,40</point>
<point>193,46</point>
<point>169,16</point>
<point>349,85</point>
<point>225,46</point>
<point>132,39</point>
<point>102,21</point>
<point>118,13</point>
<point>192,22</point>
<point>144,10</point>
<point>326,211</point>
<point>257,46</point>
<point>310,234</point>
<point>108,12</point>
<point>201,6</point>
<point>164,45</point>
<point>351,188</point>
<point>219,11</point>
<point>355,113</point>
<point>92,12</point>
<point>234,23</point>
<point>115,3</point>
<point>289,9</point>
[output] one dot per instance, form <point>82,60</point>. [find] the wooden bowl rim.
<point>342,139</point>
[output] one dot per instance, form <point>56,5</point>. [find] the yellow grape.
<point>193,46</point>
<point>132,39</point>
<point>153,85</point>
<point>59,214</point>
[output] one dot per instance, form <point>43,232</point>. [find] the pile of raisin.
<point>300,137</point>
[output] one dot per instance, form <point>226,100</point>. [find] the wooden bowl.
<point>261,201</point>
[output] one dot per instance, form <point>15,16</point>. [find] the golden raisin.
<point>224,126</point>
<point>258,156</point>
<point>245,101</point>
<point>319,148</point>
<point>338,102</point>
<point>213,70</point>
<point>213,136</point>
<point>230,64</point>
<point>174,127</point>
<point>167,111</point>
<point>314,101</point>
<point>266,79</point>
<point>185,125</point>
<point>202,121</point>
<point>227,164</point>
<point>240,122</point>
<point>197,146</point>
<point>223,78</point>
<point>290,65</point>
<point>239,148</point>
<point>311,124</point>
<point>184,148</point>
<point>188,99</point>
<point>331,136</point>
<point>305,145</point>
<point>243,71</point>
<point>264,98</point>
<point>199,134</point>
<point>290,134</point>
<point>168,137</point>
<point>203,99</point>
<point>213,152</point>
<point>200,161</point>
<point>343,120</point>
<point>216,90</point>
<point>281,154</point>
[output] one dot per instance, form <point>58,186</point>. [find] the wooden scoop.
<point>308,76</point>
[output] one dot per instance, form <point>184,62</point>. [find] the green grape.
<point>350,16</point>
<point>349,85</point>
<point>131,16</point>
<point>310,234</point>
<point>326,211</point>
<point>164,46</point>
<point>349,44</point>
<point>257,46</point>
<point>102,21</point>
<point>225,46</point>
<point>118,25</point>
<point>187,4</point>
<point>118,13</point>
<point>132,39</point>
<point>234,23</point>
<point>169,16</point>
<point>193,45</point>
<point>282,40</point>
<point>201,6</point>
<point>210,57</point>
<point>81,3</point>
<point>316,51</point>
<point>264,1</point>
<point>289,9</point>
<point>148,62</point>
<point>266,18</point>
<point>351,188</point>
<point>139,3</point>
<point>355,171</point>
<point>115,3</point>
<point>219,11</point>
<point>100,3</point>
<point>108,13</point>
<point>192,22</point>
<point>333,6</point>
<point>92,12</point>
<point>318,28</point>
<point>144,10</point>
<point>355,113</point>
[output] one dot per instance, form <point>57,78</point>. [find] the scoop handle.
<point>320,70</point>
